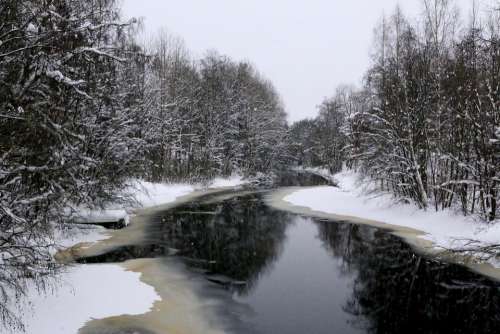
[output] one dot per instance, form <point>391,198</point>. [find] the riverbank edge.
<point>178,295</point>
<point>90,240</point>
<point>133,232</point>
<point>412,236</point>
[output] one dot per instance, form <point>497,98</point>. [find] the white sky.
<point>305,47</point>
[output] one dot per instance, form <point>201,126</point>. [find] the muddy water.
<point>229,263</point>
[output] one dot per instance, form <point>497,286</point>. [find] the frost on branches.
<point>425,125</point>
<point>84,109</point>
<point>65,137</point>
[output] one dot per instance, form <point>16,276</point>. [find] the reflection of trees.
<point>399,291</point>
<point>301,179</point>
<point>125,253</point>
<point>238,238</point>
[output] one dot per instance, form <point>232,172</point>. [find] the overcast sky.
<point>305,47</point>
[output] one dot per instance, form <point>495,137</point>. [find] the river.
<point>266,270</point>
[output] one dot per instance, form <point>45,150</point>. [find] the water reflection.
<point>300,179</point>
<point>396,290</point>
<point>312,276</point>
<point>237,239</point>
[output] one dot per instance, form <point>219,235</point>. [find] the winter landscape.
<point>249,167</point>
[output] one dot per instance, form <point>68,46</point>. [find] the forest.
<point>86,106</point>
<point>426,124</point>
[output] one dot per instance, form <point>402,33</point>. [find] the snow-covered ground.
<point>98,291</point>
<point>149,194</point>
<point>87,292</point>
<point>445,229</point>
<point>233,181</point>
<point>146,194</point>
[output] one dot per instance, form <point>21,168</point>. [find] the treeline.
<point>321,141</point>
<point>209,117</point>
<point>84,108</point>
<point>425,126</point>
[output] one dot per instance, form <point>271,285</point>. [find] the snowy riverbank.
<point>148,194</point>
<point>445,229</point>
<point>81,293</point>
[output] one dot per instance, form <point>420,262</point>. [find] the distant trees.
<point>304,143</point>
<point>211,117</point>
<point>320,142</point>
<point>425,125</point>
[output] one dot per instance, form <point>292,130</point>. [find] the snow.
<point>146,194</point>
<point>100,216</point>
<point>445,229</point>
<point>153,194</point>
<point>149,194</point>
<point>233,181</point>
<point>58,76</point>
<point>31,29</point>
<point>104,290</point>
<point>79,233</point>
<point>85,295</point>
<point>323,172</point>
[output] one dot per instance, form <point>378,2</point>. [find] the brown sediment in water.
<point>133,234</point>
<point>179,311</point>
<point>411,236</point>
<point>181,308</point>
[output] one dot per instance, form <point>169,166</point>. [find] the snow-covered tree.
<point>426,129</point>
<point>66,136</point>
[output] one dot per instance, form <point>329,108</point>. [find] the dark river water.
<point>297,274</point>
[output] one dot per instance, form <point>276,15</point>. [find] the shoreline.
<point>413,236</point>
<point>178,291</point>
<point>138,274</point>
<point>178,309</point>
